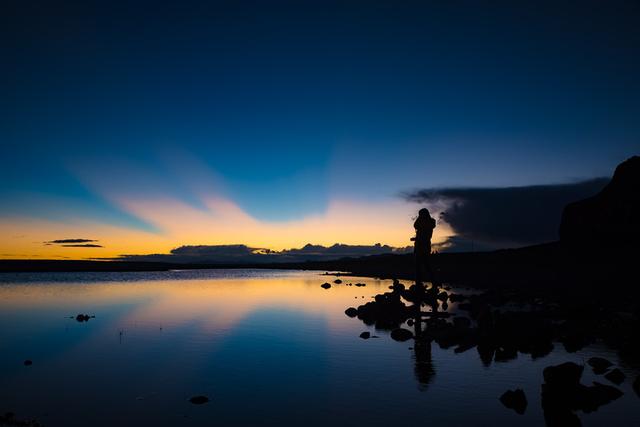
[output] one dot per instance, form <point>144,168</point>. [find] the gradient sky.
<point>148,125</point>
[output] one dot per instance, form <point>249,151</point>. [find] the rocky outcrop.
<point>611,218</point>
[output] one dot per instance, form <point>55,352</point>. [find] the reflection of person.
<point>424,226</point>
<point>423,365</point>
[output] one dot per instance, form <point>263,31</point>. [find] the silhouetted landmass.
<point>610,220</point>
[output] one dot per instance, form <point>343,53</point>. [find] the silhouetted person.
<point>424,226</point>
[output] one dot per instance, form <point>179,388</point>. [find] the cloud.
<point>487,218</point>
<point>73,243</point>
<point>65,241</point>
<point>231,254</point>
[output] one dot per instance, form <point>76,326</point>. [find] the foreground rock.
<point>365,335</point>
<point>84,317</point>
<point>401,334</point>
<point>325,285</point>
<point>351,312</point>
<point>562,395</point>
<point>599,365</point>
<point>515,399</point>
<point>616,376</point>
<point>199,400</point>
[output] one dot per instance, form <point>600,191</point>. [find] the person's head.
<point>424,212</point>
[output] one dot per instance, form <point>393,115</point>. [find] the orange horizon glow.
<point>220,222</point>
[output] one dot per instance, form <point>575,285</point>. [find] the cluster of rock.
<point>500,332</point>
<point>9,419</point>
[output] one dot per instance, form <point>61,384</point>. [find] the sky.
<point>147,126</point>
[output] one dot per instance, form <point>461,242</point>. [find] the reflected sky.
<point>266,347</point>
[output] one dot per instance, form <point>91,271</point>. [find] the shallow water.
<point>267,347</point>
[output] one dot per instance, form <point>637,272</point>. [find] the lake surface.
<point>267,348</point>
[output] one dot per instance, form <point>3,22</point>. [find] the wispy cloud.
<point>66,241</point>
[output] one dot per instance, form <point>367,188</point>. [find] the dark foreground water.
<point>267,348</point>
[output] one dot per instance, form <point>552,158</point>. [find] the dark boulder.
<point>28,362</point>
<point>400,334</point>
<point>616,376</point>
<point>360,284</point>
<point>351,312</point>
<point>337,281</point>
<point>597,395</point>
<point>365,335</point>
<point>565,375</point>
<point>506,353</point>
<point>461,322</point>
<point>325,285</point>
<point>199,400</point>
<point>83,317</point>
<point>515,399</point>
<point>599,365</point>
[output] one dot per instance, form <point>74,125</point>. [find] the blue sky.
<point>285,106</point>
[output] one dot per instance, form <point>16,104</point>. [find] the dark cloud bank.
<point>491,218</point>
<point>232,254</point>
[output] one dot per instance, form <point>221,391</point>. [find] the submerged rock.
<point>599,365</point>
<point>616,376</point>
<point>337,281</point>
<point>515,399</point>
<point>365,335</point>
<point>325,285</point>
<point>360,284</point>
<point>199,400</point>
<point>401,334</point>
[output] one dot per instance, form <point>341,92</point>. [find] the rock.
<point>456,298</point>
<point>565,375</point>
<point>337,281</point>
<point>461,322</point>
<point>28,362</point>
<point>599,365</point>
<point>616,376</point>
<point>199,400</point>
<point>365,335</point>
<point>597,395</point>
<point>325,285</point>
<point>83,317</point>
<point>636,385</point>
<point>504,354</point>
<point>360,284</point>
<point>351,312</point>
<point>515,399</point>
<point>401,334</point>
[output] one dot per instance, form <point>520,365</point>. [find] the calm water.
<point>266,347</point>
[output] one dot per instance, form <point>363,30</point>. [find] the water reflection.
<point>265,347</point>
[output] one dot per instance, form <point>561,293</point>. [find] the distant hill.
<point>610,220</point>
